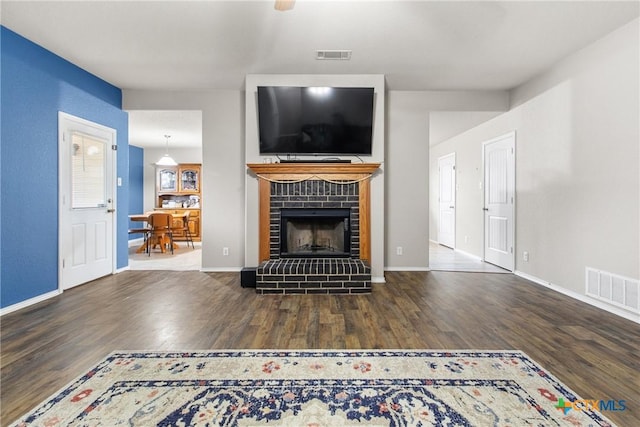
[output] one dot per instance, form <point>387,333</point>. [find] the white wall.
<point>444,125</point>
<point>252,155</point>
<point>577,166</point>
<point>407,206</point>
<point>222,166</point>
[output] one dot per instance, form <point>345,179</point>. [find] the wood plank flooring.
<point>45,346</point>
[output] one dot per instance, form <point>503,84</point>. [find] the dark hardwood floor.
<point>45,346</point>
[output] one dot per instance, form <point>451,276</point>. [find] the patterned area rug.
<point>315,388</point>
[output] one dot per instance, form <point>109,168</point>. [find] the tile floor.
<point>442,258</point>
<point>183,258</point>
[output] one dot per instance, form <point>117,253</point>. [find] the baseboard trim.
<point>407,269</point>
<point>120,270</point>
<point>29,302</point>
<point>221,269</point>
<point>583,298</point>
<point>136,242</point>
<point>378,279</point>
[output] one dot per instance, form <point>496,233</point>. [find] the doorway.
<point>499,200</point>
<point>447,200</point>
<point>152,135</point>
<point>86,200</point>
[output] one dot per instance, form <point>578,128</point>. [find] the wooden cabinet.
<point>179,186</point>
<point>181,179</point>
<point>189,176</point>
<point>179,190</point>
<point>167,179</point>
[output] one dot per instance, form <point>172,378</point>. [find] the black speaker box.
<point>248,277</point>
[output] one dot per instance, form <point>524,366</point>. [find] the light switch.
<point>119,181</point>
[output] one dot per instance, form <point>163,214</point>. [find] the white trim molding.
<point>583,298</point>
<point>29,302</point>
<point>407,269</point>
<point>221,269</point>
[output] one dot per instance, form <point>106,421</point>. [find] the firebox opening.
<point>315,233</point>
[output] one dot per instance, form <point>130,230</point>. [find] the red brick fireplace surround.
<point>316,186</point>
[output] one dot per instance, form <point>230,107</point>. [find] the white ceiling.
<point>417,45</point>
<point>148,128</point>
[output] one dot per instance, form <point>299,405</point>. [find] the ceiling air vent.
<point>343,55</point>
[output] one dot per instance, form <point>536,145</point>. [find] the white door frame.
<point>440,159</point>
<point>512,229</point>
<point>64,177</point>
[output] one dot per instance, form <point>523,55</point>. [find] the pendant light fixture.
<point>283,5</point>
<point>166,160</point>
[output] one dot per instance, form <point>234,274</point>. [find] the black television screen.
<point>315,120</point>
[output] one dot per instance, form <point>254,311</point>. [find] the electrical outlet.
<point>525,256</point>
<point>399,250</point>
<point>466,239</point>
<point>225,251</point>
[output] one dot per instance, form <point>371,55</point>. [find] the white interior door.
<point>499,201</point>
<point>86,181</point>
<point>447,200</point>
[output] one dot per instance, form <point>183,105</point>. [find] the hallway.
<point>442,258</point>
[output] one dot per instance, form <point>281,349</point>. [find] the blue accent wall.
<point>136,184</point>
<point>36,84</point>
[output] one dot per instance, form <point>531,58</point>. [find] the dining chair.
<point>161,225</point>
<point>185,229</point>
<point>145,234</point>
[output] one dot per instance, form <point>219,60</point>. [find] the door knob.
<point>110,210</point>
<point>452,207</point>
<point>485,209</point>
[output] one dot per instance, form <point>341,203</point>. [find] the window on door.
<point>88,175</point>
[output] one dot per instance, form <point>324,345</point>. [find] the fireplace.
<point>315,233</point>
<point>314,228</point>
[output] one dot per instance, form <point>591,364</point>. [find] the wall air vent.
<point>343,55</point>
<point>620,291</point>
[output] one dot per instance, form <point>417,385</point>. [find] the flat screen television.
<point>315,120</point>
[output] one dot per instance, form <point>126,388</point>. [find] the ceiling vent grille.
<point>343,55</point>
